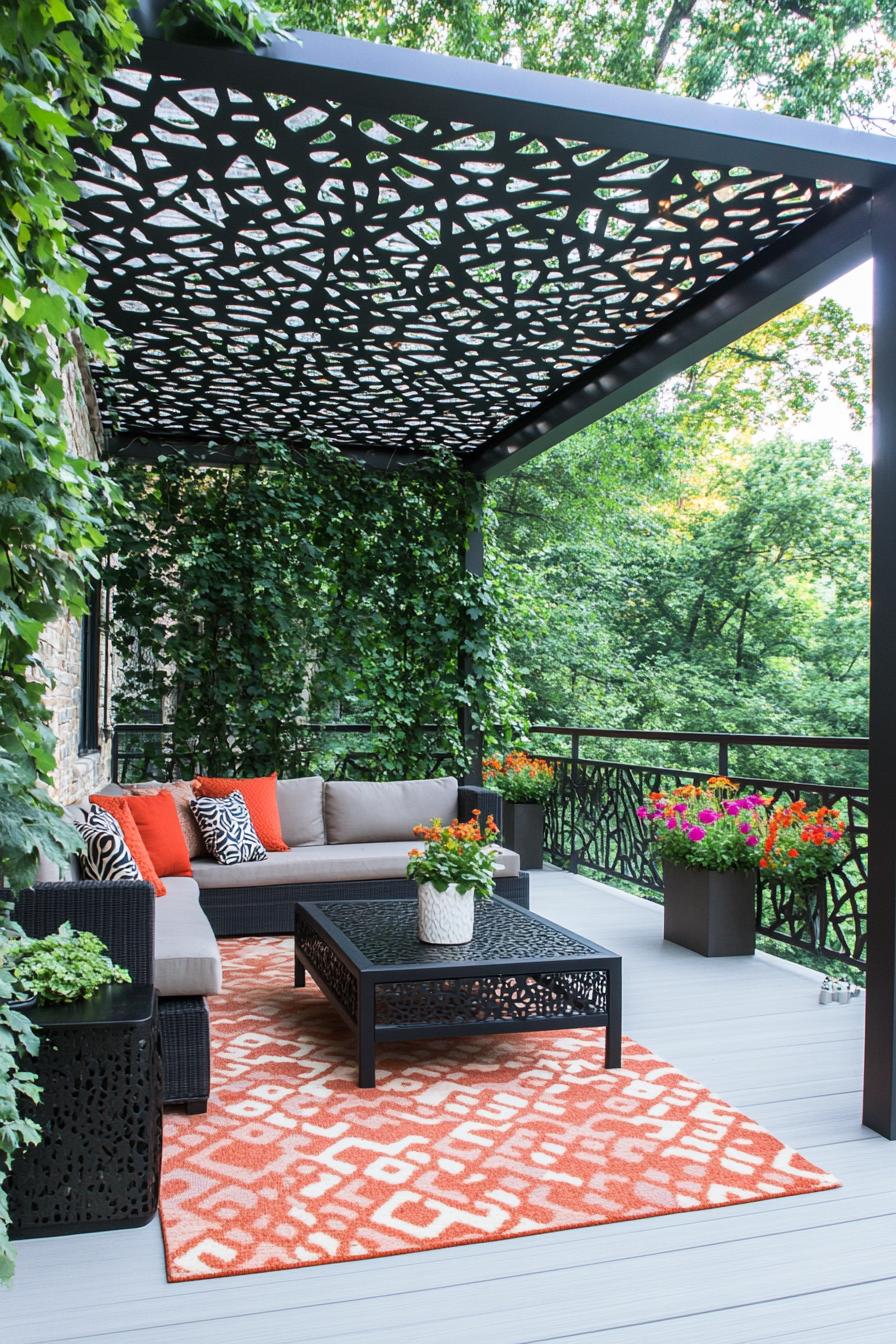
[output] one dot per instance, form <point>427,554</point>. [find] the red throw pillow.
<point>159,825</point>
<point>261,800</point>
<point>118,808</point>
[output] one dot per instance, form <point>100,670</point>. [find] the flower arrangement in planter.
<point>524,783</point>
<point>707,827</point>
<point>802,846</point>
<point>456,865</point>
<point>710,839</point>
<point>65,966</point>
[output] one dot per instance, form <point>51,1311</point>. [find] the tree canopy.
<point>832,60</point>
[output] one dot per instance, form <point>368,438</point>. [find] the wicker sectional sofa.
<point>350,841</point>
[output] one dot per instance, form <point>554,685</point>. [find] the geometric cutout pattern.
<point>385,932</point>
<point>378,280</point>
<point>462,1141</point>
<point>492,998</point>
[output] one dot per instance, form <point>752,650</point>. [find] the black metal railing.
<point>591,819</point>
<point>148,751</point>
<point>592,825</point>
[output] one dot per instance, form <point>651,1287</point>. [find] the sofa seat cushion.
<point>324,863</point>
<point>362,811</point>
<point>187,960</point>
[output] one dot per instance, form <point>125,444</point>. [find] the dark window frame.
<point>89,716</point>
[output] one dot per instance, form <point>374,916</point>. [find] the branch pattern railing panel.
<point>591,822</point>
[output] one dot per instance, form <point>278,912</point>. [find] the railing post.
<point>723,756</point>
<point>115,779</point>
<point>573,801</point>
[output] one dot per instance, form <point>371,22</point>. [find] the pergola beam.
<point>395,79</point>
<point>785,273</point>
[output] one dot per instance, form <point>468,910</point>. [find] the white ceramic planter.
<point>445,916</point>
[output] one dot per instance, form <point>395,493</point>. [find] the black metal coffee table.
<point>520,973</point>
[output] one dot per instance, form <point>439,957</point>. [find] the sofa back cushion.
<point>301,806</point>
<point>358,812</point>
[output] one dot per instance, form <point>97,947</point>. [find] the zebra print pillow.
<point>227,830</point>
<point>105,857</point>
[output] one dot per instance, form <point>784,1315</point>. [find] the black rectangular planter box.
<point>523,832</point>
<point>710,913</point>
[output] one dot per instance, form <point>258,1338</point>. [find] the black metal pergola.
<point>389,250</point>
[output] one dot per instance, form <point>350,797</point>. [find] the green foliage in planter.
<point>292,589</point>
<point>65,966</point>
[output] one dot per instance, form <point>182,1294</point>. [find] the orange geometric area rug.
<point>461,1141</point>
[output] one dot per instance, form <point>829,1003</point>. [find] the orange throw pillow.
<point>182,792</point>
<point>261,800</point>
<point>118,808</point>
<point>160,829</point>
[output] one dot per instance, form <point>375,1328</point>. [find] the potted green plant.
<point>710,839</point>
<point>456,865</point>
<point>802,848</point>
<point>65,966</point>
<point>524,783</point>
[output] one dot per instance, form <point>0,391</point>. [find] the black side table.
<point>98,1164</point>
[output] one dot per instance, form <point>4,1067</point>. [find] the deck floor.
<point>785,1270</point>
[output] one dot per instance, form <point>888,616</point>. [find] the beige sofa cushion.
<point>300,803</point>
<point>323,863</point>
<point>187,960</point>
<point>359,812</point>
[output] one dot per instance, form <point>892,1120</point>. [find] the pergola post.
<point>473,561</point>
<point>879,1111</point>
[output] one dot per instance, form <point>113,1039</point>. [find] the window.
<point>89,730</point>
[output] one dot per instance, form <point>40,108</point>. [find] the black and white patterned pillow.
<point>105,857</point>
<point>227,829</point>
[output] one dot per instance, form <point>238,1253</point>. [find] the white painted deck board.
<point>783,1269</point>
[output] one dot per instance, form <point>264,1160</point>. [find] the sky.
<point>830,419</point>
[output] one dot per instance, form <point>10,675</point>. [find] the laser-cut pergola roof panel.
<point>298,268</point>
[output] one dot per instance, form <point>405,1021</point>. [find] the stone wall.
<point>60,647</point>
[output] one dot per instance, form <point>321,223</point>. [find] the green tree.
<point>827,59</point>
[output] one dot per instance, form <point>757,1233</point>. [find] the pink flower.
<point>751,840</point>
<point>709,816</point>
<point>744,828</point>
<point>681,807</point>
<point>732,808</point>
<point>671,824</point>
<point>696,833</point>
<point>642,811</point>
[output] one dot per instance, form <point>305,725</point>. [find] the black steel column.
<point>880,1004</point>
<point>473,559</point>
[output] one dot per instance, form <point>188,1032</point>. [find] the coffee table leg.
<point>299,978</point>
<point>613,1044</point>
<point>366,1043</point>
